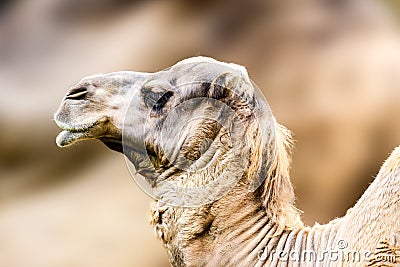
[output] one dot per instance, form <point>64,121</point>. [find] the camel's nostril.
<point>77,93</point>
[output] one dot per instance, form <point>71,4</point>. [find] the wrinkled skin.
<point>195,125</point>
<point>105,106</point>
<point>128,111</point>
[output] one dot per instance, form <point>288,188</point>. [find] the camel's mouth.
<point>67,137</point>
<point>74,133</point>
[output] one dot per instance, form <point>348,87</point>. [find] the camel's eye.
<point>157,101</point>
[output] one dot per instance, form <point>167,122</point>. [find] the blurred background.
<point>329,68</point>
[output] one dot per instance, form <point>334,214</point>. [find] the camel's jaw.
<point>73,133</point>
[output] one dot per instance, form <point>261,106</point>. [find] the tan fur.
<point>278,195</point>
<point>256,215</point>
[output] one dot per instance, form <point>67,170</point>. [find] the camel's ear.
<point>225,90</point>
<point>223,86</point>
<point>234,89</point>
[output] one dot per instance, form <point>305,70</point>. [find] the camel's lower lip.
<point>67,137</point>
<point>71,134</point>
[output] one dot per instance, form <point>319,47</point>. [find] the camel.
<point>208,149</point>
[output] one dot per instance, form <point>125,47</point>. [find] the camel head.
<point>192,131</point>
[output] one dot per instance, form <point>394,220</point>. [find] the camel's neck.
<point>257,241</point>
<point>237,230</point>
<point>243,235</point>
<point>376,216</point>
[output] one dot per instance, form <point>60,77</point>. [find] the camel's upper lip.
<point>76,128</point>
<point>79,127</point>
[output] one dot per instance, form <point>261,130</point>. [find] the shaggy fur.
<point>254,222</point>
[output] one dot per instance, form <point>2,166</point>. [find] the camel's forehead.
<point>197,69</point>
<point>114,78</point>
<point>203,69</point>
<point>210,62</point>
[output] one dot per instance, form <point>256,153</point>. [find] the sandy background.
<point>330,70</point>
